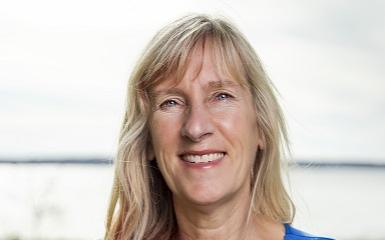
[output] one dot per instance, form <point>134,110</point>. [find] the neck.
<point>225,220</point>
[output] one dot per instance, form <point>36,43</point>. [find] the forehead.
<point>207,62</point>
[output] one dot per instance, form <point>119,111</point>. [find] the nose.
<point>198,124</point>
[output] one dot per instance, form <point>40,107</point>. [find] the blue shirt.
<point>295,234</point>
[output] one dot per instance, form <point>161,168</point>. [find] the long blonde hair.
<point>141,205</point>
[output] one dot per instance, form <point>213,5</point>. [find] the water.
<point>70,201</point>
<point>347,203</point>
<point>54,202</point>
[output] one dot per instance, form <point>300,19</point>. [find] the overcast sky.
<point>64,66</point>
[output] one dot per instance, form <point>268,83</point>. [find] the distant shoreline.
<point>72,161</point>
<point>336,164</point>
<point>106,161</point>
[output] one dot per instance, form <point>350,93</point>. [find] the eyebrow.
<point>210,86</point>
<point>222,84</point>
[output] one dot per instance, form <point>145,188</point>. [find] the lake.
<point>69,201</point>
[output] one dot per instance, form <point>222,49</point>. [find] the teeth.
<point>202,158</point>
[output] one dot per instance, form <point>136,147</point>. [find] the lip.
<point>205,165</point>
<point>201,152</point>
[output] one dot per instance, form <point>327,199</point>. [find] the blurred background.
<point>64,66</point>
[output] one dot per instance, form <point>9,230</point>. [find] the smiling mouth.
<point>202,158</point>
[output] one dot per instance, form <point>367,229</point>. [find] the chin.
<point>205,197</point>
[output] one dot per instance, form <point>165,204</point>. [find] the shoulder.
<point>292,233</point>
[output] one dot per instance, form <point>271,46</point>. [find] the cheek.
<point>239,127</point>
<point>166,138</point>
<point>162,126</point>
<point>164,135</point>
<point>239,120</point>
<point>163,138</point>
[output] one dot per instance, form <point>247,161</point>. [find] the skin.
<point>208,112</point>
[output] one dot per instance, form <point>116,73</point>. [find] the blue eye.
<point>169,103</point>
<point>223,96</point>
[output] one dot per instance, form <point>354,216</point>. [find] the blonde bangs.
<point>172,58</point>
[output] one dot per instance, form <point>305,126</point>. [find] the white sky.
<point>64,67</point>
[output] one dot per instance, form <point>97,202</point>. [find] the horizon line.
<point>109,161</point>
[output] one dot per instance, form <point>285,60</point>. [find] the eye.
<point>169,103</point>
<point>222,96</point>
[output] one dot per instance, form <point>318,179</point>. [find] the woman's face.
<point>204,133</point>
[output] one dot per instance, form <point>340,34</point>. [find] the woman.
<point>201,142</point>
